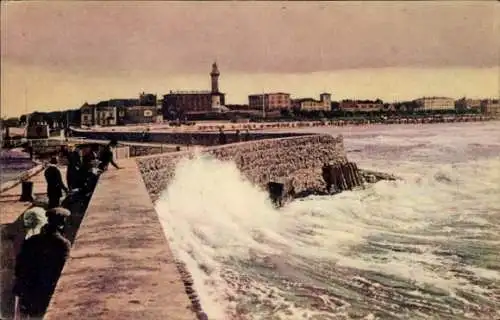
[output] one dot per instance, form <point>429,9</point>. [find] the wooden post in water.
<point>353,175</point>
<point>343,182</point>
<point>341,176</point>
<point>359,181</point>
<point>349,176</point>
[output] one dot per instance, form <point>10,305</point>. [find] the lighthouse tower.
<point>214,75</point>
<point>215,78</point>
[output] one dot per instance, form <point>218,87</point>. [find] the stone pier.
<point>121,265</point>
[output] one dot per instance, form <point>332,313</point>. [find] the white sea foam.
<point>425,246</point>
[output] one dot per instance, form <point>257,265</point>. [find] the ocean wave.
<point>425,247</point>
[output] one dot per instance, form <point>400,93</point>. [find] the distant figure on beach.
<point>55,184</point>
<point>106,156</point>
<point>247,135</point>
<point>237,138</point>
<point>74,166</point>
<point>30,151</point>
<point>222,137</point>
<point>39,265</point>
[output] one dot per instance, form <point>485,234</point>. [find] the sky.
<point>57,55</point>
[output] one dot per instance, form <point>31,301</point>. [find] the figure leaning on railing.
<point>106,156</point>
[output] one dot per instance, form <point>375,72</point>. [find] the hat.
<point>57,215</point>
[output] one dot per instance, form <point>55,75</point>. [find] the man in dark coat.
<point>55,184</point>
<point>73,172</point>
<point>106,156</point>
<point>88,172</point>
<point>39,265</point>
<point>89,156</point>
<point>222,137</point>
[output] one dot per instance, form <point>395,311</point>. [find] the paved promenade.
<point>120,265</point>
<point>144,144</point>
<point>12,208</point>
<point>13,233</point>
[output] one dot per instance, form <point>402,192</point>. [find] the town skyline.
<point>61,55</point>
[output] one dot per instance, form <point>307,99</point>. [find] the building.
<point>468,104</point>
<point>269,101</point>
<point>491,107</point>
<point>37,130</point>
<point>73,117</point>
<point>237,106</point>
<point>100,114</point>
<point>142,114</point>
<point>435,103</point>
<point>361,105</point>
<point>310,104</point>
<point>105,115</point>
<point>120,111</point>
<point>177,103</point>
<point>87,115</point>
<point>147,99</point>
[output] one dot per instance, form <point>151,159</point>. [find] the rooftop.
<point>190,92</point>
<point>306,99</point>
<point>266,93</point>
<point>435,97</point>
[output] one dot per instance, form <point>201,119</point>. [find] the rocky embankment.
<point>261,162</point>
<point>187,279</point>
<point>334,178</point>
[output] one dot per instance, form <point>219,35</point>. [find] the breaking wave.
<point>422,248</point>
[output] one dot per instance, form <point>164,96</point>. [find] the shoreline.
<point>215,126</point>
<point>21,176</point>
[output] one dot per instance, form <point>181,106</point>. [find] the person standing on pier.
<point>74,165</point>
<point>88,173</point>
<point>89,157</point>
<point>55,184</point>
<point>222,137</point>
<point>39,265</point>
<point>106,156</point>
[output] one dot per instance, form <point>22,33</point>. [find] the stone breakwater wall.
<point>143,150</point>
<point>296,160</point>
<point>181,138</point>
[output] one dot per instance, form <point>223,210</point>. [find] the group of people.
<point>43,253</point>
<point>83,168</point>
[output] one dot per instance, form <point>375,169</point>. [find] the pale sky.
<point>62,54</point>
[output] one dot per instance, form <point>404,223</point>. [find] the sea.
<point>424,247</point>
<point>13,163</point>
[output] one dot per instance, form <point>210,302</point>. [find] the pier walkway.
<point>13,233</point>
<point>120,266</point>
